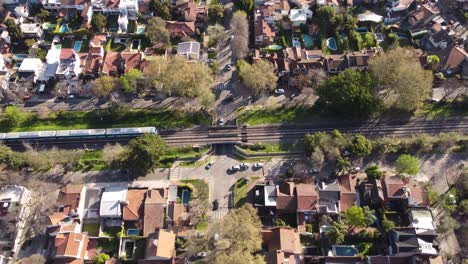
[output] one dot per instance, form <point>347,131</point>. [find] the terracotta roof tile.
<point>133,210</point>
<point>163,246</point>
<point>154,211</point>
<point>347,200</point>
<point>71,245</point>
<point>66,54</point>
<point>285,239</point>
<point>306,196</point>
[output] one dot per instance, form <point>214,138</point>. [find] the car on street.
<point>215,205</point>
<point>279,91</point>
<point>228,67</point>
<point>244,166</point>
<point>258,165</point>
<point>208,166</point>
<point>221,121</point>
<point>211,50</point>
<point>234,168</point>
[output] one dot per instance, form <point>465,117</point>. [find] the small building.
<point>32,66</point>
<point>307,205</point>
<point>117,64</point>
<point>133,210</point>
<point>264,33</point>
<point>155,204</point>
<point>189,50</point>
<point>161,247</point>
<point>179,29</point>
<point>69,65</point>
<point>69,199</point>
<point>31,30</point>
<point>70,247</point>
<point>283,245</point>
<point>112,200</point>
<point>406,241</point>
<point>299,17</point>
<point>89,210</point>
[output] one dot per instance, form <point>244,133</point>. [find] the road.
<point>288,133</point>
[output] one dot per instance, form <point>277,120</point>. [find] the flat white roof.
<point>11,193</point>
<point>110,201</point>
<point>270,195</point>
<point>422,219</point>
<point>30,65</point>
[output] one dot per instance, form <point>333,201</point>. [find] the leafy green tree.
<point>43,14</point>
<point>104,85</point>
<point>349,94</point>
<point>101,258</point>
<point>387,225</point>
<point>99,22</point>
<point>407,164</point>
<point>129,80</point>
<point>216,11</point>
<point>145,153</point>
<point>29,42</point>
<point>369,40</point>
<point>374,172</point>
<point>15,117</point>
<point>41,53</point>
<point>392,39</point>
<point>464,206</point>
<point>118,110</point>
<point>258,77</point>
<point>162,9</point>
<point>433,61</point>
<point>447,224</point>
<point>215,32</point>
<point>13,29</point>
<point>343,165</point>
<point>336,233</point>
<point>357,216</point>
<point>156,30</point>
<point>245,5</point>
<point>356,40</point>
<point>404,84</point>
<point>361,146</point>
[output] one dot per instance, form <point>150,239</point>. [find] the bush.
<point>361,146</point>
<point>280,222</point>
<point>374,172</point>
<point>407,164</point>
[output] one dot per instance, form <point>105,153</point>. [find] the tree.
<point>175,76</point>
<point>312,79</point>
<point>343,165</point>
<point>407,164</point>
<point>104,85</point>
<point>13,29</point>
<point>43,14</point>
<point>258,77</point>
<point>464,206</point>
<point>447,224</point>
<point>33,259</point>
<point>99,22</point>
<point>101,258</point>
<point>216,11</point>
<point>15,117</point>
<point>113,155</point>
<point>404,84</point>
<point>245,5</point>
<point>225,242</point>
<point>392,39</point>
<point>374,172</point>
<point>161,8</point>
<point>29,42</point>
<point>144,153</point>
<point>129,81</point>
<point>387,225</point>
<point>336,233</point>
<point>357,216</point>
<point>361,146</point>
<point>349,94</point>
<point>41,53</point>
<point>215,33</point>
<point>240,31</point>
<point>326,147</point>
<point>156,31</point>
<point>433,61</point>
<point>369,40</point>
<point>118,110</point>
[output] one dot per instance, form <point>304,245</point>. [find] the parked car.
<point>228,67</point>
<point>211,50</point>
<point>244,166</point>
<point>208,166</point>
<point>279,91</point>
<point>221,121</point>
<point>26,97</point>
<point>235,168</point>
<point>258,165</point>
<point>215,205</point>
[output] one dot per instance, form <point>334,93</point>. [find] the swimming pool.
<point>185,197</point>
<point>64,28</point>
<point>77,45</point>
<point>274,47</point>
<point>344,250</point>
<point>308,40</point>
<point>331,44</point>
<point>296,42</point>
<point>141,29</point>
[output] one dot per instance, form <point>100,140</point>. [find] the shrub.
<point>361,146</point>
<point>374,172</point>
<point>407,164</point>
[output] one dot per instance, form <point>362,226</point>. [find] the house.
<point>396,191</point>
<point>452,59</point>
<point>282,245</point>
<point>278,59</point>
<point>69,198</point>
<point>69,64</point>
<point>370,193</point>
<point>301,60</point>
<point>154,208</point>
<point>299,17</point>
<point>423,15</point>
<point>145,9</point>
<point>31,30</point>
<point>129,8</point>
<point>22,11</point>
<point>161,247</point>
<point>264,33</point>
<point>133,209</point>
<point>336,63</point>
<point>116,64</point>
<point>347,183</point>
<point>405,241</point>
<point>274,12</point>
<point>179,29</point>
<point>177,217</point>
<point>191,11</point>
<point>399,5</point>
<point>71,247</point>
<point>438,40</point>
<point>189,50</point>
<point>111,201</point>
<point>307,205</point>
<point>285,199</point>
<point>420,218</point>
<point>89,208</point>
<point>329,198</point>
<point>13,198</point>
<point>31,66</point>
<point>265,202</point>
<point>94,61</point>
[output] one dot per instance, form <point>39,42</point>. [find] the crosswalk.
<point>225,86</point>
<point>219,214</point>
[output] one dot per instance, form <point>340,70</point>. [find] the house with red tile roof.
<point>71,247</point>
<point>307,198</point>
<point>93,61</point>
<point>179,29</point>
<point>154,211</point>
<point>347,183</point>
<point>69,64</point>
<point>285,198</point>
<point>264,33</point>
<point>133,210</point>
<point>396,190</point>
<point>161,246</point>
<point>116,64</point>
<point>282,244</point>
<point>191,11</point>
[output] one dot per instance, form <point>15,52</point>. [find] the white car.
<point>244,166</point>
<point>235,168</point>
<point>208,166</point>
<point>279,91</point>
<point>258,165</point>
<point>221,121</point>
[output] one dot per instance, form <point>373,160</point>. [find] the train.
<point>77,134</point>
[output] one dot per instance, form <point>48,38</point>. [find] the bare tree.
<point>312,79</point>
<point>240,41</point>
<point>33,259</point>
<point>43,112</point>
<point>113,154</point>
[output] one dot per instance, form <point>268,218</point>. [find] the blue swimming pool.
<point>64,28</point>
<point>331,44</point>
<point>345,251</point>
<point>77,45</point>
<point>185,197</point>
<point>308,40</point>
<point>274,47</point>
<point>296,42</point>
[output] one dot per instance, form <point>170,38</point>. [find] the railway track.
<point>276,133</point>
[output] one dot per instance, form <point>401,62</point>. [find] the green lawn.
<point>92,229</point>
<point>193,164</point>
<point>96,119</point>
<point>241,189</point>
<point>272,148</point>
<point>277,115</point>
<point>111,231</point>
<point>91,160</point>
<point>438,110</point>
<point>202,190</point>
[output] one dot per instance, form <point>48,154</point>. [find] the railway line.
<point>277,133</point>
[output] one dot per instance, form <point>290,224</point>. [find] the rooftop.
<point>111,201</point>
